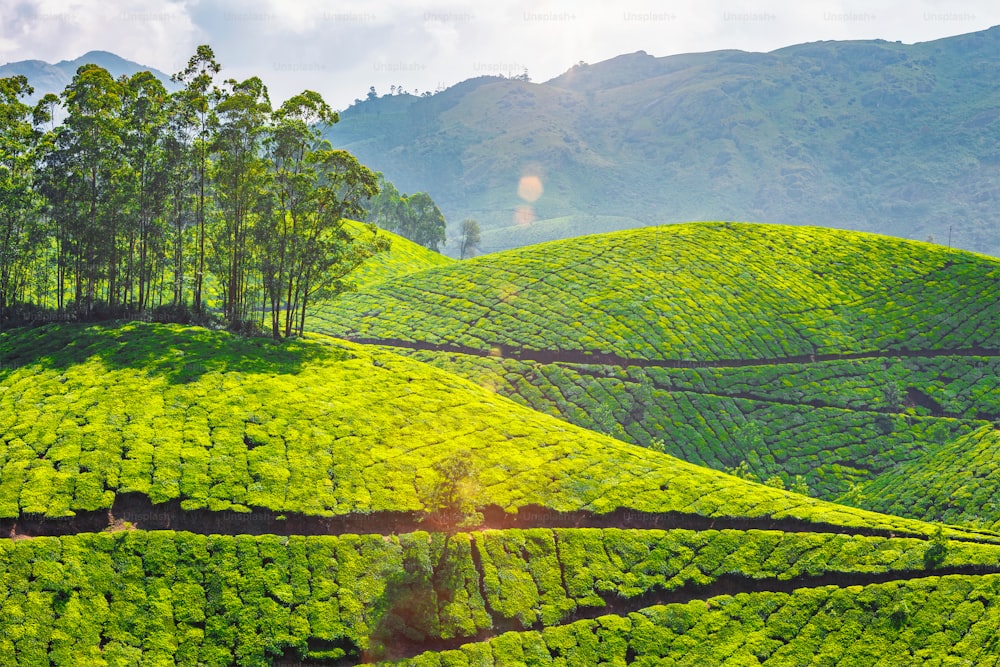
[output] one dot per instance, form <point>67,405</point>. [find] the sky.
<point>341,48</point>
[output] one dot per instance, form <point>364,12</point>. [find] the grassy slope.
<point>703,291</point>
<point>321,426</point>
<point>938,620</point>
<point>316,427</point>
<point>404,256</point>
<point>827,421</point>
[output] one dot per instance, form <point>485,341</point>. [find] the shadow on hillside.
<point>178,353</point>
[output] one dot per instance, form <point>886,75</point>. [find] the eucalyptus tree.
<point>242,182</point>
<point>307,249</point>
<point>195,112</point>
<point>81,165</point>
<point>143,184</point>
<point>19,227</point>
<point>329,252</point>
<point>415,217</point>
<point>297,132</point>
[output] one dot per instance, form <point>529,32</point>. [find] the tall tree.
<point>329,251</point>
<point>143,178</point>
<point>87,152</point>
<point>199,98</point>
<point>296,134</point>
<point>469,238</point>
<point>422,221</point>
<point>241,175</point>
<point>19,230</point>
<point>415,217</point>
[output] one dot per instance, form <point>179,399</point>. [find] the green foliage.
<point>955,483</point>
<point>897,623</point>
<point>146,193</point>
<point>937,551</point>
<point>402,257</point>
<point>453,492</point>
<point>818,421</point>
<point>415,217</point>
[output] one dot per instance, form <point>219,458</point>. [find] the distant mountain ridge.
<point>868,135</point>
<point>53,78</point>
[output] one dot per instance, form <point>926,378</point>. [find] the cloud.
<point>342,48</point>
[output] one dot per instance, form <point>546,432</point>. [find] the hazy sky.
<point>342,48</point>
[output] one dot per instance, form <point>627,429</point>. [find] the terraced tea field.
<point>403,257</point>
<point>179,496</point>
<point>794,364</point>
<point>703,292</point>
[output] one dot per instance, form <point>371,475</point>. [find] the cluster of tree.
<point>415,217</point>
<point>139,199</point>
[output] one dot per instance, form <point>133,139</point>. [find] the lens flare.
<point>529,188</point>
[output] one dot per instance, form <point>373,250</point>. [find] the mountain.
<point>866,135</point>
<point>53,78</point>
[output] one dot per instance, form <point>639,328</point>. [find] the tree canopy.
<point>415,217</point>
<point>203,202</point>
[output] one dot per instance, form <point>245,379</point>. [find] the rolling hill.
<point>755,347</point>
<point>403,257</point>
<point>704,292</point>
<point>319,428</point>
<point>178,495</point>
<point>875,136</point>
<point>308,501</point>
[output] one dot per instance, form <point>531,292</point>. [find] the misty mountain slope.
<point>868,135</point>
<point>53,78</point>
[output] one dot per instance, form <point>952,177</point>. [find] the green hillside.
<point>403,257</point>
<point>164,597</point>
<point>794,354</point>
<point>318,427</point>
<point>938,620</point>
<point>236,435</point>
<point>957,483</point>
<point>828,422</point>
<point>173,495</point>
<point>701,291</point>
<point>877,136</point>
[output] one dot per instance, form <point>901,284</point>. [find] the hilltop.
<point>869,135</point>
<point>54,77</point>
<point>793,354</point>
<point>403,257</point>
<point>706,292</point>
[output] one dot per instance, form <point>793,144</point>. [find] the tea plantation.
<point>403,257</point>
<point>895,360</point>
<point>466,486</point>
<point>316,427</point>
<point>701,291</point>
